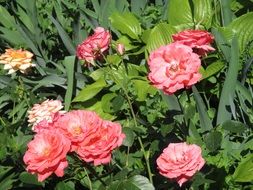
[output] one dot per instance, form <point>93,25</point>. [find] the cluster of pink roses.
<point>176,66</point>
<point>79,131</point>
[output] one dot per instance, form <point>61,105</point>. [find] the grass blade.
<point>228,89</point>
<point>69,63</point>
<point>205,122</point>
<point>64,36</point>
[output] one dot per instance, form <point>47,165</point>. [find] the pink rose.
<point>121,49</point>
<point>77,125</point>
<point>92,48</point>
<point>180,161</point>
<point>97,147</point>
<point>199,40</point>
<point>174,67</point>
<point>46,154</point>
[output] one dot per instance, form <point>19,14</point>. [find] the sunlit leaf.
<point>127,24</point>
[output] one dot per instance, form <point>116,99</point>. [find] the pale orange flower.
<point>15,60</point>
<point>44,111</point>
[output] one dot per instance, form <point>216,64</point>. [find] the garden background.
<point>214,114</point>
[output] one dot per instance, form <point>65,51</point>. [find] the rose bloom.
<point>180,161</point>
<point>199,40</point>
<point>97,147</point>
<point>174,67</point>
<point>15,60</point>
<point>92,48</point>
<point>45,110</point>
<point>46,154</point>
<point>77,125</point>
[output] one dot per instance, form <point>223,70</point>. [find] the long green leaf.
<point>69,63</point>
<point>228,89</point>
<point>226,12</point>
<point>6,19</point>
<point>90,91</point>
<point>205,122</point>
<point>64,36</point>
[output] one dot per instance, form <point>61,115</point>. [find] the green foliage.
<point>158,36</point>
<point>127,24</point>
<point>243,172</point>
<point>215,114</point>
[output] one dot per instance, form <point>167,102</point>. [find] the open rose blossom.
<point>46,154</point>
<point>15,60</point>
<point>199,40</point>
<point>174,67</point>
<point>180,161</point>
<point>77,125</point>
<point>97,147</point>
<point>44,111</point>
<point>92,48</point>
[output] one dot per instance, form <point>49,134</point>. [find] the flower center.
<point>46,151</point>
<point>173,65</point>
<point>76,130</point>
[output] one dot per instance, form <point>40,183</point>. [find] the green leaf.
<point>64,36</point>
<point>203,12</point>
<point>213,140</point>
<point>228,89</point>
<point>179,12</point>
<point>185,12</point>
<point>171,101</point>
<point>69,63</point>
<point>6,178</point>
<point>129,140</point>
<point>212,69</point>
<point>222,42</point>
<point>243,27</point>
<point>97,74</point>
<point>90,91</point>
<point>127,24</point>
<point>29,179</point>
<point>226,12</point>
<point>244,171</point>
<point>205,122</point>
<point>65,186</point>
<point>143,88</point>
<point>106,102</point>
<point>160,35</point>
<point>97,107</point>
<point>139,182</point>
<point>6,19</point>
<point>234,126</point>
